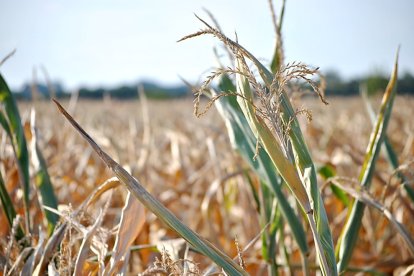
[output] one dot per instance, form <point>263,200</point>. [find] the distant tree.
<point>333,78</point>
<point>406,84</point>
<point>376,83</point>
<point>124,92</point>
<point>91,93</point>
<point>333,82</point>
<point>335,85</point>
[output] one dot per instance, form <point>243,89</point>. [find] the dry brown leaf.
<point>132,221</point>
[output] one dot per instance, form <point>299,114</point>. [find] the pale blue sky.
<point>102,42</point>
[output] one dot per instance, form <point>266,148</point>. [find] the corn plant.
<point>11,123</point>
<point>277,130</point>
<point>265,107</point>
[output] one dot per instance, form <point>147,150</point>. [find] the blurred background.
<point>97,46</point>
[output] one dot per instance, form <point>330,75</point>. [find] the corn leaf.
<point>85,247</point>
<point>366,198</point>
<point>327,172</point>
<point>8,209</point>
<point>244,141</point>
<point>391,155</point>
<point>255,194</point>
<point>156,207</point>
<point>270,214</point>
<point>130,225</point>
<point>42,180</point>
<point>18,141</point>
<point>5,124</point>
<point>50,249</point>
<point>304,165</point>
<point>350,232</point>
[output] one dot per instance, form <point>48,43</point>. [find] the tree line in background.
<point>335,86</point>
<point>373,83</point>
<point>56,90</point>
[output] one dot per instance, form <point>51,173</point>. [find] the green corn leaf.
<point>45,187</point>
<point>320,228</point>
<point>6,201</point>
<point>304,162</point>
<point>18,141</point>
<point>266,202</point>
<point>156,207</point>
<point>244,141</point>
<point>276,225</point>
<point>254,191</point>
<point>393,159</point>
<point>349,234</point>
<point>391,155</point>
<point>340,194</point>
<point>327,171</point>
<point>5,124</point>
<point>8,209</point>
<point>274,150</point>
<point>43,183</point>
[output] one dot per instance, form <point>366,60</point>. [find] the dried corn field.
<point>188,164</point>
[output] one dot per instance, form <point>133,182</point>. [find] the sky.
<point>108,43</point>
